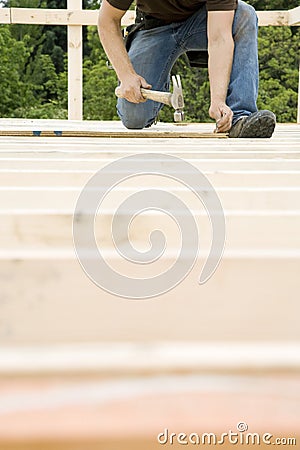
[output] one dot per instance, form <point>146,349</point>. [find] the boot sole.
<point>260,126</point>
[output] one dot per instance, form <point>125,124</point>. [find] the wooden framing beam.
<point>298,115</point>
<point>68,16</point>
<point>273,18</point>
<point>5,15</point>
<point>294,16</point>
<point>75,65</point>
<point>72,16</point>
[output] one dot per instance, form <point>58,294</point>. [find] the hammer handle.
<point>157,96</point>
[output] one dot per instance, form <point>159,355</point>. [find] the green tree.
<point>13,56</point>
<point>279,69</point>
<point>44,69</point>
<point>99,82</point>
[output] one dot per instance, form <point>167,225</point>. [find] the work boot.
<point>260,124</point>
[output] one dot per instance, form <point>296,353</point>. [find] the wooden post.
<point>294,16</point>
<point>75,66</point>
<point>298,116</point>
<point>4,15</point>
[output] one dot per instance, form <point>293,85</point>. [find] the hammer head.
<point>177,99</point>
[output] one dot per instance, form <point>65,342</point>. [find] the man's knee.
<point>134,116</point>
<point>133,123</point>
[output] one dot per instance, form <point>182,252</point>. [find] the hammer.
<point>175,99</point>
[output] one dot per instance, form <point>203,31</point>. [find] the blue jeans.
<point>154,52</point>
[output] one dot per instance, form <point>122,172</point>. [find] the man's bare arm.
<point>109,28</point>
<point>220,49</point>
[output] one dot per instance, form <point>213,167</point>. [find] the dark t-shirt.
<point>175,10</point>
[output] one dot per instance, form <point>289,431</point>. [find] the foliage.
<point>49,110</point>
<point>99,82</point>
<point>13,56</point>
<point>100,101</point>
<point>278,54</point>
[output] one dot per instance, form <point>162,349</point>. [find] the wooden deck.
<point>81,369</point>
<point>258,182</point>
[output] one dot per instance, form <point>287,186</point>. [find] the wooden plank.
<point>298,114</point>
<point>284,129</point>
<point>81,165</point>
<point>47,255</point>
<point>60,199</point>
<point>9,148</point>
<point>60,16</point>
<point>75,77</point>
<point>112,134</point>
<point>244,230</point>
<point>109,129</point>
<point>73,16</point>
<point>266,18</point>
<point>89,152</point>
<point>128,18</point>
<point>274,18</point>
<point>294,16</point>
<point>127,357</point>
<point>70,16</point>
<point>4,15</point>
<point>218,179</point>
<point>50,299</point>
<point>294,19</point>
<point>115,129</point>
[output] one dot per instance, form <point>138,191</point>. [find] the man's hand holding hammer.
<point>109,25</point>
<point>130,88</point>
